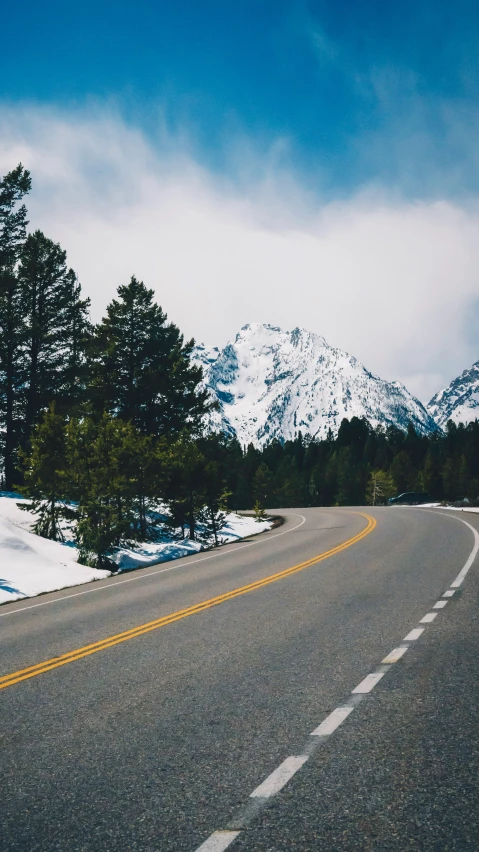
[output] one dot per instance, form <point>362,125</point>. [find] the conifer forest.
<point>102,423</point>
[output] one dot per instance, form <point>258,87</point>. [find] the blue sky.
<point>285,161</point>
<point>357,91</point>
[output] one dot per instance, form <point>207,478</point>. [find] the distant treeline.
<point>101,424</point>
<point>362,465</point>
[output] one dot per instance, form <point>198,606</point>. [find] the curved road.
<point>173,708</point>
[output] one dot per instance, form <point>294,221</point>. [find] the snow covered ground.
<point>450,508</point>
<point>31,565</point>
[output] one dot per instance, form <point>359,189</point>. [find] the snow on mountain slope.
<point>459,401</point>
<point>272,383</point>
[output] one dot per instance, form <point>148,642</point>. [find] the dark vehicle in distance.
<point>409,498</point>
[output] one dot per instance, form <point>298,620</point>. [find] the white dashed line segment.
<point>276,781</point>
<point>428,618</point>
<point>333,721</point>
<point>440,605</point>
<point>218,841</point>
<point>449,593</point>
<point>395,655</point>
<point>414,634</point>
<point>368,683</point>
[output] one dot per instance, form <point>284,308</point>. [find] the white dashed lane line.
<point>368,683</point>
<point>395,655</point>
<point>428,618</point>
<point>277,780</point>
<point>333,721</point>
<point>220,840</point>
<point>414,634</point>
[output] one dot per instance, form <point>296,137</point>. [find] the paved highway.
<point>174,708</point>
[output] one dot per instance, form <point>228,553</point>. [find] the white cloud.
<point>392,282</point>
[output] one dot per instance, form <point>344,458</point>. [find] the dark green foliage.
<point>43,327</point>
<point>13,223</point>
<point>100,482</point>
<point>338,471</point>
<point>186,483</point>
<point>403,472</point>
<point>262,486</point>
<point>45,476</point>
<point>141,367</point>
<point>55,328</point>
<point>216,450</point>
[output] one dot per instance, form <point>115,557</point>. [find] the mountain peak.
<point>272,383</point>
<point>263,332</point>
<point>459,401</point>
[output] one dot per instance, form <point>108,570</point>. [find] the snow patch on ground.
<point>450,508</point>
<point>31,565</point>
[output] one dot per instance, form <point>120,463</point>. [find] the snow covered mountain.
<point>459,401</point>
<point>272,383</point>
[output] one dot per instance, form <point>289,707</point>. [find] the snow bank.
<point>450,508</point>
<point>236,527</point>
<point>30,565</point>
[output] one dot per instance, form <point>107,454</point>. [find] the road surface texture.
<point>196,730</point>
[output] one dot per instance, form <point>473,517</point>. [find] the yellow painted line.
<point>79,653</point>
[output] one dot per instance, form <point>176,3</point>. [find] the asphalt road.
<point>155,741</point>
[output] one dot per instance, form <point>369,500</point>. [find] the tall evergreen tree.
<point>55,324</point>
<point>141,367</point>
<point>13,223</point>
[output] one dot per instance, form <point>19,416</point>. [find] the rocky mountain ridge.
<point>459,401</point>
<point>272,383</point>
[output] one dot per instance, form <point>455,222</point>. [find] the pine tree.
<point>352,478</point>
<point>259,513</point>
<point>77,336</point>
<point>46,478</point>
<point>216,497</point>
<point>13,223</point>
<point>262,489</point>
<point>431,482</point>
<point>144,461</point>
<point>289,488</point>
<point>141,367</point>
<point>100,484</point>
<point>380,488</point>
<point>55,325</point>
<point>403,472</point>
<point>186,481</point>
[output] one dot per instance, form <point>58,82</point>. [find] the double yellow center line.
<point>103,644</point>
